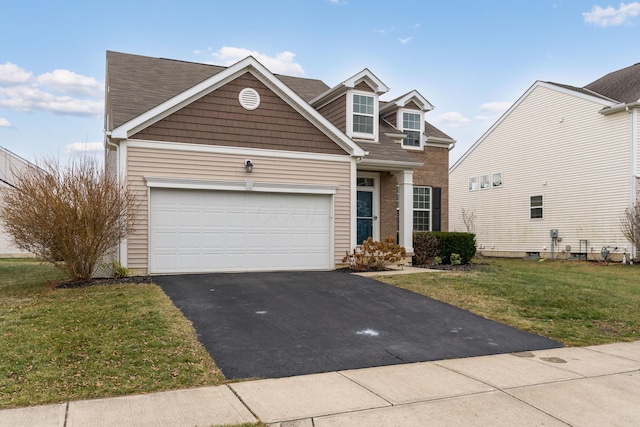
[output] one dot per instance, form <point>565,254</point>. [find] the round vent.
<point>249,99</point>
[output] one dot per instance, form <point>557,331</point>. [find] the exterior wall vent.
<point>249,99</point>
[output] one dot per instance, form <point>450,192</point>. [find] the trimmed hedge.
<point>463,244</point>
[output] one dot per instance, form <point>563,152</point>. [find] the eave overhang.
<point>619,107</point>
<point>363,76</point>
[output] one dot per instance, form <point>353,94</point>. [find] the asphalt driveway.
<point>282,324</point>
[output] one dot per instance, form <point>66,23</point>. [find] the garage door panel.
<point>198,231</point>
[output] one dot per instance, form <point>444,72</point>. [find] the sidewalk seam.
<point>364,387</point>
<point>243,402</point>
<point>66,414</point>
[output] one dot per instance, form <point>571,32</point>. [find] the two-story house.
<point>240,169</point>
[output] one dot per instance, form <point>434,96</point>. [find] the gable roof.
<point>148,107</point>
<point>622,85</point>
<point>570,90</point>
<point>403,100</point>
<point>9,164</point>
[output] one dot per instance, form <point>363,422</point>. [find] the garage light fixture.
<point>249,166</point>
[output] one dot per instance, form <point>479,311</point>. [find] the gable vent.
<point>249,98</point>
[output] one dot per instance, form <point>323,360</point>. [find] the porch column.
<point>405,199</point>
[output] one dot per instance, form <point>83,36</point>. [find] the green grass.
<point>100,341</point>
<point>576,303</point>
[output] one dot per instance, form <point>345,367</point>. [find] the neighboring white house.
<point>9,164</point>
<point>561,158</point>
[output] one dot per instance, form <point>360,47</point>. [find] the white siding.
<point>155,162</point>
<point>555,145</point>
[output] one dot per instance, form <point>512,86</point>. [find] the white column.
<point>405,198</point>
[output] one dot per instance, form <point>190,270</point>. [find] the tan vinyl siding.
<point>555,145</point>
<point>219,119</point>
<point>336,112</point>
<point>143,162</point>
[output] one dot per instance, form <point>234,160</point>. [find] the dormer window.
<point>362,120</point>
<point>412,126</point>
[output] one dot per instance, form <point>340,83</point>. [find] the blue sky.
<point>471,59</point>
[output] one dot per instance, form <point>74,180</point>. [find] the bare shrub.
<point>469,220</point>
<point>425,248</point>
<point>372,255</point>
<point>630,225</point>
<point>68,215</point>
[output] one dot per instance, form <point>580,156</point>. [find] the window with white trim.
<point>536,207</point>
<point>362,115</point>
<point>411,126</point>
<point>421,208</point>
<point>473,183</point>
<point>484,182</point>
<point>497,179</point>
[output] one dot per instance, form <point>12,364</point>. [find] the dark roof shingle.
<point>622,85</point>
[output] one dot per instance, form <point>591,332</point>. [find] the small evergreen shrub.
<point>118,271</point>
<point>456,259</point>
<point>447,243</point>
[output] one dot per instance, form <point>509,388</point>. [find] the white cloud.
<point>283,62</point>
<point>59,92</point>
<point>492,110</point>
<point>605,17</point>
<point>4,123</point>
<point>12,74</point>
<point>70,83</point>
<point>380,31</point>
<point>84,147</point>
<point>405,40</point>
<point>338,2</point>
<point>451,119</point>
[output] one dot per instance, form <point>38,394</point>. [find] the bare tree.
<point>630,225</point>
<point>69,215</point>
<point>469,218</point>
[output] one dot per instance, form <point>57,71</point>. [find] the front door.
<point>367,207</point>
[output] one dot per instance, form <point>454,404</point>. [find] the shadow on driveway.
<point>282,324</point>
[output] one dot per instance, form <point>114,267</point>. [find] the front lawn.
<point>576,303</point>
<point>66,344</point>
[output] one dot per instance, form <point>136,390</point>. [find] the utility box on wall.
<point>553,233</point>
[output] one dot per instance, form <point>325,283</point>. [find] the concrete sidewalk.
<point>591,386</point>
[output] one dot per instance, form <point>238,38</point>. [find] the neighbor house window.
<point>484,182</point>
<point>363,114</point>
<point>421,208</point>
<point>497,179</point>
<point>412,127</point>
<point>536,207</point>
<point>473,183</point>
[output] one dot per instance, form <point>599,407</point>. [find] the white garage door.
<point>207,231</point>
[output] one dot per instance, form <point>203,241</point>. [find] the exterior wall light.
<point>249,166</point>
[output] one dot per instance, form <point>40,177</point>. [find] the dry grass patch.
<point>99,341</point>
<point>577,303</point>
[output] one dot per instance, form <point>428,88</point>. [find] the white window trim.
<point>400,122</point>
<point>489,181</point>
<point>501,180</point>
<point>430,210</point>
<point>477,184</point>
<point>350,113</point>
<point>536,207</point>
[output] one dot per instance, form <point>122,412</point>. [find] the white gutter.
<point>634,163</point>
<point>619,107</point>
<point>389,165</point>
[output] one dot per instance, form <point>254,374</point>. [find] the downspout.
<point>107,139</point>
<point>634,164</point>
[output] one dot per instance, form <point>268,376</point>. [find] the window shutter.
<point>436,213</point>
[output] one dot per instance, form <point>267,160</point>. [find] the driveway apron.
<point>281,324</point>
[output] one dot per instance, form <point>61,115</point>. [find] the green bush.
<point>463,244</point>
<point>456,259</point>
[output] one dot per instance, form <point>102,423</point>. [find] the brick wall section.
<point>388,211</point>
<point>336,112</point>
<point>219,119</point>
<point>434,173</point>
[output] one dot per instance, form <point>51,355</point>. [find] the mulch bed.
<point>73,284</point>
